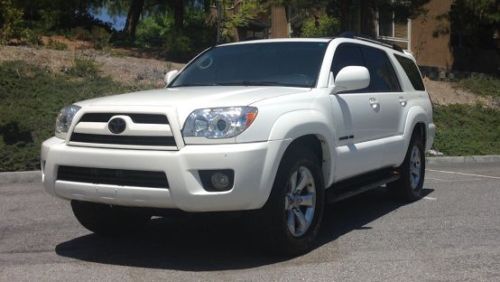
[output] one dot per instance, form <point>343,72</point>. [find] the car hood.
<point>196,97</point>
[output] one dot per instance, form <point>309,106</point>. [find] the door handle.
<point>402,101</point>
<point>374,103</point>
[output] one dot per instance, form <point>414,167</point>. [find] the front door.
<point>370,115</point>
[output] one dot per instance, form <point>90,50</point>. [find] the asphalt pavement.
<point>453,234</point>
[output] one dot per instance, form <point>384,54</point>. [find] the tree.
<point>474,22</point>
<point>178,7</point>
<point>136,8</point>
<point>134,13</point>
<point>10,20</point>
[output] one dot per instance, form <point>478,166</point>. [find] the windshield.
<point>295,64</point>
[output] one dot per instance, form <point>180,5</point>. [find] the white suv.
<point>277,126</point>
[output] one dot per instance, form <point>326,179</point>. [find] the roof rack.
<point>371,40</point>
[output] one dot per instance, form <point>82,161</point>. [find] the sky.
<point>117,22</point>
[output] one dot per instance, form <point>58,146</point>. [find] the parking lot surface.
<point>452,234</point>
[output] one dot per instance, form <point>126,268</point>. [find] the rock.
<point>435,153</point>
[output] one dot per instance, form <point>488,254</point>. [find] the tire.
<point>408,187</point>
<point>107,220</point>
<point>293,219</point>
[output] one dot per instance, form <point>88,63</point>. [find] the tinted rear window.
<point>412,72</point>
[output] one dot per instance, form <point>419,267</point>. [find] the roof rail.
<point>352,35</point>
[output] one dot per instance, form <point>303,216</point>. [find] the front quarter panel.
<point>290,117</point>
<point>295,124</point>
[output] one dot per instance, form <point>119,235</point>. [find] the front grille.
<point>122,177</point>
<point>124,139</point>
<point>136,118</point>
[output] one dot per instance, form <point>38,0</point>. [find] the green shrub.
<point>158,31</point>
<point>84,67</point>
<point>31,98</point>
<point>151,32</point>
<point>179,46</point>
<point>100,37</point>
<point>482,85</point>
<point>467,130</point>
<point>11,20</point>
<point>328,27</point>
<point>80,33</point>
<point>56,45</point>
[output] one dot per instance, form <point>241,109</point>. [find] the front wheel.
<point>294,210</point>
<point>412,172</point>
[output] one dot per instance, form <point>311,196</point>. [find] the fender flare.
<point>415,115</point>
<point>296,124</point>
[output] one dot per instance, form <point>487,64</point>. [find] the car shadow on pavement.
<point>214,243</point>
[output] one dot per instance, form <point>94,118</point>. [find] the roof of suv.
<point>361,40</point>
<point>275,40</point>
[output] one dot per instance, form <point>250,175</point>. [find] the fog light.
<point>220,181</point>
<point>217,180</point>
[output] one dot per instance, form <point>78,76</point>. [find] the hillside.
<point>115,63</point>
<point>132,70</point>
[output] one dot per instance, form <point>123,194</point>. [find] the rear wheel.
<point>412,172</point>
<point>109,220</point>
<point>294,210</point>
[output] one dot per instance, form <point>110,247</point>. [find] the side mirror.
<point>351,78</point>
<point>170,76</point>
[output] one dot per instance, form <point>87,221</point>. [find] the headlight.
<point>219,123</point>
<point>64,119</point>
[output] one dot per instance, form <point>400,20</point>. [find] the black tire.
<point>406,189</point>
<point>107,220</point>
<point>280,240</point>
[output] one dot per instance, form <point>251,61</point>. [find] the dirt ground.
<point>133,70</point>
<point>126,69</point>
<point>444,93</point>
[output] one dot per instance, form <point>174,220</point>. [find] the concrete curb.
<point>35,175</point>
<point>463,160</point>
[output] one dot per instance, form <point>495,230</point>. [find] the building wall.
<point>430,36</point>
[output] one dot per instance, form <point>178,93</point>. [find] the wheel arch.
<point>417,119</point>
<point>310,129</point>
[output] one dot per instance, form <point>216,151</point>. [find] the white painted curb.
<point>463,160</point>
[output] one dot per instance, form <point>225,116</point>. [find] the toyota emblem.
<point>117,125</point>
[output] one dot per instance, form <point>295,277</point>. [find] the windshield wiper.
<point>196,84</point>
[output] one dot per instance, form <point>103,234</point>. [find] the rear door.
<point>385,91</point>
<point>389,100</point>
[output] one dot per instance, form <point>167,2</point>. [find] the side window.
<point>412,72</point>
<point>382,75</point>
<point>346,55</point>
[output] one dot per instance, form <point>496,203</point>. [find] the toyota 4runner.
<point>276,126</point>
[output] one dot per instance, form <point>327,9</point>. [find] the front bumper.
<point>254,165</point>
